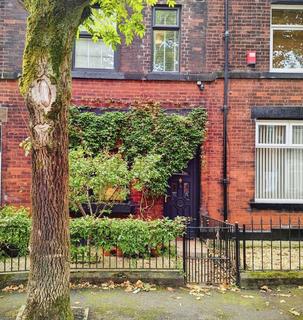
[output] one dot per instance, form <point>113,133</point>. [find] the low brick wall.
<point>166,278</point>
<point>255,280</point>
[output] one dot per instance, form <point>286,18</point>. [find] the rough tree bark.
<point>46,87</point>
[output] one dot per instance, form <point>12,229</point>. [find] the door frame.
<point>196,187</point>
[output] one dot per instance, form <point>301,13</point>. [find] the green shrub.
<point>15,227</point>
<point>101,179</point>
<point>165,230</point>
<point>133,237</point>
<point>8,211</point>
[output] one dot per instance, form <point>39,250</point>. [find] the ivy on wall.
<point>145,131</point>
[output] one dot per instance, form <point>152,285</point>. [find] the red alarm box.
<point>251,58</point>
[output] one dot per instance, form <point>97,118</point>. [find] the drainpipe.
<point>225,179</point>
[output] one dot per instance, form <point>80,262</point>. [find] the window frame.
<point>287,145</point>
<point>86,35</point>
<point>159,27</point>
<point>289,133</point>
<point>279,27</point>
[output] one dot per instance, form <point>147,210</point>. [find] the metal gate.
<point>211,253</point>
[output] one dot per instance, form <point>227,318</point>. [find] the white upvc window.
<point>286,44</point>
<point>279,162</point>
<point>89,54</point>
<point>92,53</point>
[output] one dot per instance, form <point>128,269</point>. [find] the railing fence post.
<point>244,247</point>
<point>238,279</point>
<point>184,254</point>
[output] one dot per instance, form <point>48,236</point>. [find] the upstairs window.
<point>287,38</point>
<point>166,34</point>
<point>89,54</point>
<point>279,162</point>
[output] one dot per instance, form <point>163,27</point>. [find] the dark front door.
<point>184,192</point>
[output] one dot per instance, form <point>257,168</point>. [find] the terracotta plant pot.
<point>113,252</point>
<point>156,252</point>
<point>106,253</point>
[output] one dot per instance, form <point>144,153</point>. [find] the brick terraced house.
<point>241,60</point>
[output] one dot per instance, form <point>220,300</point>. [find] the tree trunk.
<point>46,86</point>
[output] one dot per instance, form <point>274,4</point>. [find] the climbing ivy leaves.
<point>170,140</point>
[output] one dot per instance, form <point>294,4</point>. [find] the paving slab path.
<point>179,304</point>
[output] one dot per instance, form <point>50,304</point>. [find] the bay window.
<point>279,162</point>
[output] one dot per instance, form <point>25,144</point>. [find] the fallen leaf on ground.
<point>282,301</point>
<point>287,295</point>
<point>128,289</point>
<point>198,291</point>
<point>294,312</point>
<point>125,284</point>
<point>14,288</point>
<point>265,289</point>
<point>139,284</point>
<point>223,287</point>
<point>247,297</point>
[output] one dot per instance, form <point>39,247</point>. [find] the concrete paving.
<point>163,304</point>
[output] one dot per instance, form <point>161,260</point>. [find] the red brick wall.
<point>147,208</point>
<point>249,30</point>
<point>98,93</point>
<point>12,35</point>
<point>215,36</point>
<point>202,37</point>
<point>136,58</point>
<point>249,27</point>
<point>211,173</point>
<point>122,93</point>
<point>244,94</point>
<point>16,173</point>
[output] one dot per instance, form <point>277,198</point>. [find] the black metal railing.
<point>165,256</point>
<point>211,253</point>
<point>273,243</point>
<point>14,250</point>
<point>85,255</point>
